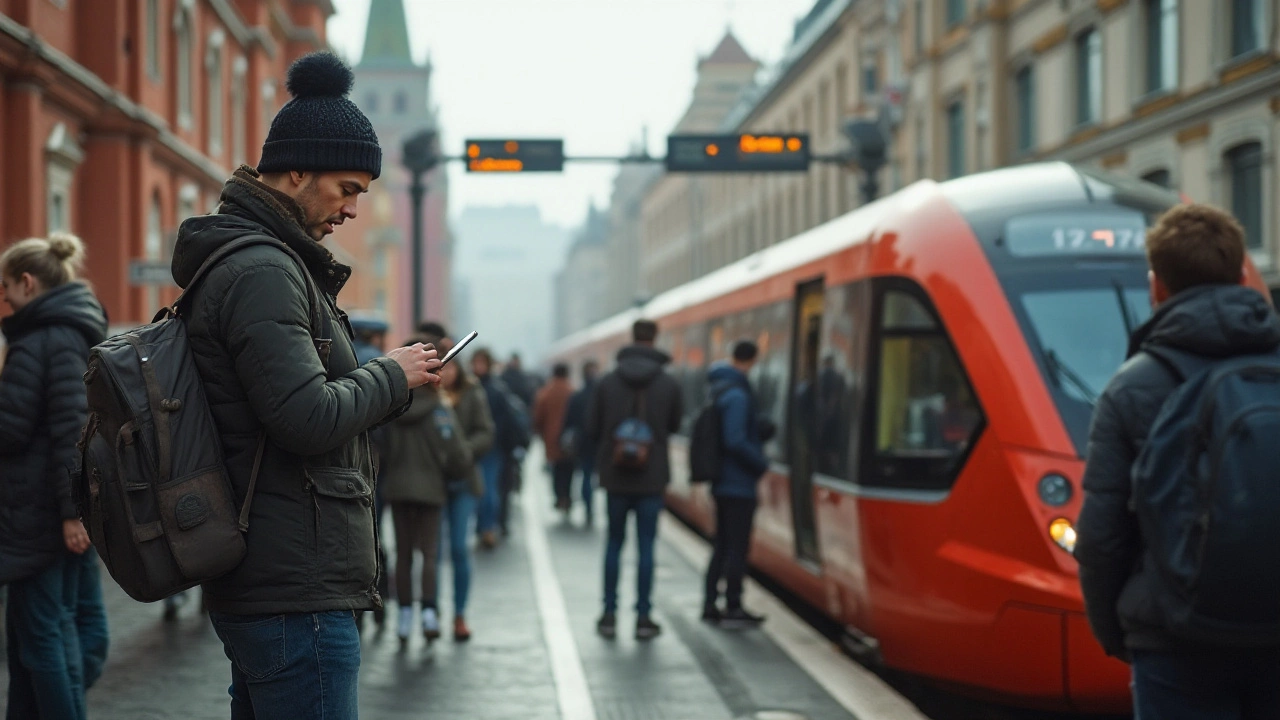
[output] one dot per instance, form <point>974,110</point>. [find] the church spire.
<point>386,38</point>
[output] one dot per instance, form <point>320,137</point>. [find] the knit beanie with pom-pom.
<point>320,129</point>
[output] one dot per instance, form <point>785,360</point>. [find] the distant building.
<point>120,145</point>
<point>673,211</point>
<point>394,92</point>
<point>582,286</point>
<point>626,287</point>
<point>507,258</point>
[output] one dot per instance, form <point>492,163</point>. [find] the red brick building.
<point>120,118</point>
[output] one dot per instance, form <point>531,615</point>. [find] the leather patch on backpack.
<point>190,511</point>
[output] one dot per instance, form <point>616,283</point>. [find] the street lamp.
<point>420,155</point>
<point>869,147</point>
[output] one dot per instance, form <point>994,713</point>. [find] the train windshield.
<point>1079,288</point>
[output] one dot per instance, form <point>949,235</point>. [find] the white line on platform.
<point>859,690</point>
<point>566,665</point>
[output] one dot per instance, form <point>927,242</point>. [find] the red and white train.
<point>931,361</point>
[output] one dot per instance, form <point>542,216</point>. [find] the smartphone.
<point>457,348</point>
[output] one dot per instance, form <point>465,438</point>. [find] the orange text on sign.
<point>495,165</point>
<point>768,144</point>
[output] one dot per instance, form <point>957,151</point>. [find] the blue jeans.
<point>647,508</point>
<point>455,523</point>
<point>91,617</point>
<point>1206,685</point>
<point>299,665</point>
<point>46,673</point>
<point>487,512</point>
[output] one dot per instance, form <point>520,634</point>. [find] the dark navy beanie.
<point>320,129</point>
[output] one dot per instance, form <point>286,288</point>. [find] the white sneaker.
<point>406,623</point>
<point>430,624</point>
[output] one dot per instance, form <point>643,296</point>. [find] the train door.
<point>801,437</point>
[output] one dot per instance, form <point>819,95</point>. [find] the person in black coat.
<point>1201,308</point>
<point>54,652</point>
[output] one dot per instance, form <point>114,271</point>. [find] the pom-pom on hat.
<point>320,129</point>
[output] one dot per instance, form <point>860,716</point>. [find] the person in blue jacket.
<point>743,462</point>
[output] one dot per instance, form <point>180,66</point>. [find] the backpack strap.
<point>315,320</point>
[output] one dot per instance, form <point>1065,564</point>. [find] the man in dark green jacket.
<point>286,615</point>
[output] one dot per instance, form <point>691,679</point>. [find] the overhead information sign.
<point>513,156</point>
<point>748,152</point>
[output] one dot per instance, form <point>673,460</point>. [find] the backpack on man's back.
<point>706,452</point>
<point>152,484</point>
<point>1206,492</point>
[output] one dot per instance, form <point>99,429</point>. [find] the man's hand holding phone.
<point>419,363</point>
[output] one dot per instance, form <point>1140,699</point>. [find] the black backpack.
<point>1206,491</point>
<point>152,483</point>
<point>706,451</point>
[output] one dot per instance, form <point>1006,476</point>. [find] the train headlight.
<point>1054,490</point>
<point>1063,533</point>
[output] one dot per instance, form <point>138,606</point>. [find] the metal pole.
<point>417,191</point>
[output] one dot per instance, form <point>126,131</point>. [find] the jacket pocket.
<point>343,504</point>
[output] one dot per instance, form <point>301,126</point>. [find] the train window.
<point>926,414</point>
<point>839,383</point>
<point>772,326</point>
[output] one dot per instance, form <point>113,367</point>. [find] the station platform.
<point>534,654</point>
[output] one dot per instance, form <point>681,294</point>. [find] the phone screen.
<point>458,348</point>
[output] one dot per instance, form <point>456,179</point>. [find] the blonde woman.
<point>44,555</point>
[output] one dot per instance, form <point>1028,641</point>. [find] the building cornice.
<point>1198,107</point>
<point>232,21</point>
<point>293,33</point>
<point>112,98</point>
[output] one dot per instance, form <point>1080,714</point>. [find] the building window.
<point>213,67</point>
<point>955,12</point>
<point>1162,44</point>
<point>922,148</point>
<point>1025,89</point>
<point>268,105</point>
<point>371,102</point>
<point>153,39</point>
<point>870,79</point>
<point>182,29</point>
<point>1088,77</point>
<point>1244,168</point>
<point>401,103</point>
<point>1159,177</point>
<point>1246,26</point>
<point>920,27</point>
<point>238,141</point>
<point>62,156</point>
<point>955,139</point>
<point>153,250</point>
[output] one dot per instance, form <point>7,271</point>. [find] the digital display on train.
<point>1076,233</point>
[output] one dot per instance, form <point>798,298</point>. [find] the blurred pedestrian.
<point>1172,490</point>
<point>289,397</point>
<point>632,413</point>
<point>549,409</point>
<point>511,439</point>
<point>55,646</point>
<point>425,447</point>
<point>573,440</point>
<point>470,404</point>
<point>519,381</point>
<point>742,464</point>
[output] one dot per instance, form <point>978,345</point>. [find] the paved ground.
<point>534,654</point>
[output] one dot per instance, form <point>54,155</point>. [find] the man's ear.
<point>299,177</point>
<point>1244,275</point>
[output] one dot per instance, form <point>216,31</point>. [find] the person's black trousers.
<point>562,481</point>
<point>734,518</point>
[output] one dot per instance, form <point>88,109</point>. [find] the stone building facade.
<point>123,117</point>
<point>1185,93</point>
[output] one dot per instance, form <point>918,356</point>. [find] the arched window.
<point>1244,170</point>
<point>213,68</point>
<point>153,250</point>
<point>238,120</point>
<point>401,103</point>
